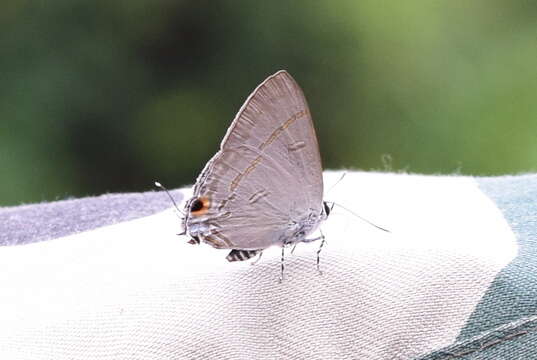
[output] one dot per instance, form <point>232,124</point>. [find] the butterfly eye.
<point>200,206</point>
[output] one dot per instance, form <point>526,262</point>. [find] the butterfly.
<point>264,186</point>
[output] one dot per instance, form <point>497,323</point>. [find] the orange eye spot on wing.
<point>200,206</point>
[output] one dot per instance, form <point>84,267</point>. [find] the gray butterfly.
<point>264,186</point>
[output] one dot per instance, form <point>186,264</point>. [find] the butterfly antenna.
<point>160,186</point>
<point>361,218</point>
<point>337,182</point>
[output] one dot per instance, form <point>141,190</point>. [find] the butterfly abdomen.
<point>241,255</point>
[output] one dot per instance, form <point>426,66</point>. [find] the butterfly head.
<point>194,208</point>
<point>197,222</point>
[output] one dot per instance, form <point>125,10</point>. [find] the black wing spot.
<point>197,205</point>
<point>200,206</point>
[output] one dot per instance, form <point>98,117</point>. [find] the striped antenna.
<point>160,186</point>
<point>359,217</point>
<point>337,182</point>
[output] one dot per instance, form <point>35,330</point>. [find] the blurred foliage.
<point>106,96</point>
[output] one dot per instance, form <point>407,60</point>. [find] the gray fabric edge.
<point>44,221</point>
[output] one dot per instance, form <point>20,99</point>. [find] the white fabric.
<point>135,290</point>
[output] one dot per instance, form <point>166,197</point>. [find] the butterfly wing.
<point>266,176</point>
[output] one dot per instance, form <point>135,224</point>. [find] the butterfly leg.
<point>323,241</point>
<point>306,240</point>
<point>194,240</point>
<point>293,249</point>
<point>282,262</point>
<point>319,253</point>
<point>258,258</point>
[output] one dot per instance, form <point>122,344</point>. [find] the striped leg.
<point>319,253</point>
<point>323,240</point>
<point>194,240</point>
<point>282,262</point>
<point>258,258</point>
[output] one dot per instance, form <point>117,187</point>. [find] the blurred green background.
<point>107,96</point>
